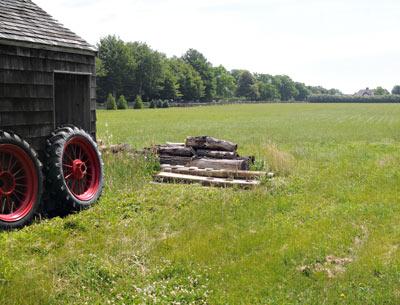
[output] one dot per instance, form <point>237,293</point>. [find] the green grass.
<point>337,194</point>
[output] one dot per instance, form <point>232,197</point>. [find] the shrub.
<point>111,104</point>
<point>324,98</point>
<point>152,104</point>
<point>165,104</point>
<point>396,90</point>
<point>159,104</point>
<point>138,102</point>
<point>122,103</point>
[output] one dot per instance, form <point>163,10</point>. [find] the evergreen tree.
<point>111,104</point>
<point>159,104</point>
<point>122,103</point>
<point>138,102</point>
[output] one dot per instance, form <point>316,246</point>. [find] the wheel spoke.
<point>3,204</point>
<point>74,151</point>
<point>9,163</point>
<point>2,161</point>
<point>18,171</point>
<point>17,197</point>
<point>13,165</point>
<point>19,192</point>
<point>68,154</point>
<point>73,186</point>
<point>12,206</point>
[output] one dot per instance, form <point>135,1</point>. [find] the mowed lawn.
<point>325,231</point>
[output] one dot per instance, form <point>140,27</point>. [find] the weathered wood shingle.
<point>24,21</point>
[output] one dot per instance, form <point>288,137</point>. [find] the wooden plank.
<point>206,142</point>
<point>26,77</point>
<point>220,164</point>
<point>25,104</point>
<point>8,119</point>
<point>9,62</point>
<point>205,181</point>
<point>46,54</point>
<point>175,144</point>
<point>215,173</point>
<point>26,91</point>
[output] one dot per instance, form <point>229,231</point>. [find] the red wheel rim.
<point>18,183</point>
<point>81,168</point>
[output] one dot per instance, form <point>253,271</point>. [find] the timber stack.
<point>204,152</point>
<point>208,161</point>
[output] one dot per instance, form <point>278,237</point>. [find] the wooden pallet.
<point>205,181</point>
<point>217,173</point>
<point>209,176</point>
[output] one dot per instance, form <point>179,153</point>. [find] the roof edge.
<point>56,48</point>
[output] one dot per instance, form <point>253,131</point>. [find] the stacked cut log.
<point>204,152</point>
<point>175,154</point>
<point>207,161</point>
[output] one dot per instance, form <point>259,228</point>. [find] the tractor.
<point>47,116</point>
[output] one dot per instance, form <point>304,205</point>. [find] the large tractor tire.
<point>21,181</point>
<point>74,169</point>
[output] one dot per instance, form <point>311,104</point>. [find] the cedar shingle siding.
<point>34,51</point>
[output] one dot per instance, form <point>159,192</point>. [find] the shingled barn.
<point>46,71</point>
<point>47,81</point>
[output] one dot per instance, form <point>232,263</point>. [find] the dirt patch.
<point>386,161</point>
<point>332,266</point>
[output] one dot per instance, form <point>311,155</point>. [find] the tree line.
<point>325,98</point>
<point>132,71</point>
<point>128,70</point>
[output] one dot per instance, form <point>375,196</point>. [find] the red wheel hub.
<point>18,183</point>
<point>81,168</point>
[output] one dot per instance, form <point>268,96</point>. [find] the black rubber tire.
<point>56,186</point>
<point>11,138</point>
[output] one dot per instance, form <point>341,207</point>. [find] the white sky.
<point>334,43</point>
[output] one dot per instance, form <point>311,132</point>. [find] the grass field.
<point>325,231</point>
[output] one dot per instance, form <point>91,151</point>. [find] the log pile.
<point>208,161</point>
<point>204,152</point>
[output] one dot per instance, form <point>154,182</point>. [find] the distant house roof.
<point>365,92</point>
<point>22,21</point>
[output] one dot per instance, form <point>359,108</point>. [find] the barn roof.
<point>24,22</point>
